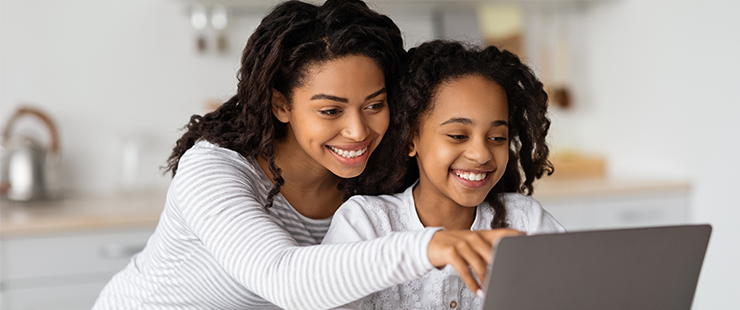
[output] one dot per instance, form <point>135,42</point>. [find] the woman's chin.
<point>348,172</point>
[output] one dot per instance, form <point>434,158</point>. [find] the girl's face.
<point>462,148</point>
<point>338,117</point>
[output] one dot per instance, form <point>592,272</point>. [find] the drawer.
<point>670,208</point>
<point>65,297</point>
<point>71,254</point>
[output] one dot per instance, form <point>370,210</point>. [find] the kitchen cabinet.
<point>599,203</point>
<point>65,271</point>
<point>60,254</point>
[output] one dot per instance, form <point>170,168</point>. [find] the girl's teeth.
<point>472,176</point>
<point>348,154</point>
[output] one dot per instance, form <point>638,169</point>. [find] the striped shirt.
<point>217,247</point>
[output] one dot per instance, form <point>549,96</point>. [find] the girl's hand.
<point>464,249</point>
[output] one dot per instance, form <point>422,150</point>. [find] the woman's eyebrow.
<point>329,97</point>
<point>345,100</point>
<point>382,91</point>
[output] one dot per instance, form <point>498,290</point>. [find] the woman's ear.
<point>280,106</point>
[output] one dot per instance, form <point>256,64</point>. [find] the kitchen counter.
<point>80,213</point>
<point>568,188</point>
<point>143,210</point>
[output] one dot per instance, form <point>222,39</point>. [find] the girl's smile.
<point>472,178</point>
<point>462,147</point>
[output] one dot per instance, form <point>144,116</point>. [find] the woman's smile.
<point>338,117</point>
<point>350,154</point>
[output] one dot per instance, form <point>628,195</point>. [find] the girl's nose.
<point>479,152</point>
<point>355,127</point>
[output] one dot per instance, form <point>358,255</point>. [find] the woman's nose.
<point>355,127</point>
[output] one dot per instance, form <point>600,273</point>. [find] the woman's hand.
<point>464,249</point>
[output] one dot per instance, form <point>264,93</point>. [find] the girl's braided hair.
<point>437,62</point>
<point>291,38</point>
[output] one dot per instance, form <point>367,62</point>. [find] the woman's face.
<point>462,148</point>
<point>338,116</point>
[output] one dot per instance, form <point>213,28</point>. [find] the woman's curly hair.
<point>437,62</point>
<point>291,38</point>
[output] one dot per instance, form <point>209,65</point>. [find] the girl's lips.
<point>471,178</point>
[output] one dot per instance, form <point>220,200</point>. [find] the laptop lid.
<point>641,268</point>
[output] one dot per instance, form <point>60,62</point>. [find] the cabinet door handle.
<point>117,250</point>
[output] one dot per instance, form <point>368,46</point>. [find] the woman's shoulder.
<point>208,161</point>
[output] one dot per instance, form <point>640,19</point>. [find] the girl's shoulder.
<point>381,204</point>
<point>520,202</point>
<point>384,212</point>
<point>526,214</point>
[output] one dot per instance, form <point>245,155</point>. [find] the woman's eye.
<point>458,137</point>
<point>329,112</point>
<point>376,106</point>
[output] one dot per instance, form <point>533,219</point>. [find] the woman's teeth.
<point>348,154</point>
<point>472,176</point>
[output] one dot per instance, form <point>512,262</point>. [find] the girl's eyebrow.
<point>459,120</point>
<point>467,121</point>
<point>345,100</point>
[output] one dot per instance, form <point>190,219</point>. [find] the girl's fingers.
<point>462,269</point>
<point>474,260</point>
<point>481,247</point>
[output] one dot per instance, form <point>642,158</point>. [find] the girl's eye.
<point>499,139</point>
<point>458,137</point>
<point>329,112</point>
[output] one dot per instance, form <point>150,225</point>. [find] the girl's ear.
<point>280,106</point>
<point>412,147</point>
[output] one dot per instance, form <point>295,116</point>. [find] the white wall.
<point>663,100</point>
<point>106,70</point>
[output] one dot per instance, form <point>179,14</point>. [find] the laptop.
<point>641,268</point>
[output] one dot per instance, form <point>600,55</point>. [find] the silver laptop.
<point>642,268</point>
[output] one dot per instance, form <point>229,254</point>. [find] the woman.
<point>257,181</point>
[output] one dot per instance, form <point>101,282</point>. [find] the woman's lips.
<point>350,154</point>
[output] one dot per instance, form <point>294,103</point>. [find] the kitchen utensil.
<point>25,162</point>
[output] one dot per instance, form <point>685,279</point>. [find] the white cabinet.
<point>605,205</point>
<point>64,270</point>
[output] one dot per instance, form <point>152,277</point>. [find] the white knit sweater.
<point>370,217</point>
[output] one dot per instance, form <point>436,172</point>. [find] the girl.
<point>257,181</point>
<point>475,125</point>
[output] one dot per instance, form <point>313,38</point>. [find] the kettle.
<point>26,165</point>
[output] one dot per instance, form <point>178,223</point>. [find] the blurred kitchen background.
<point>644,97</point>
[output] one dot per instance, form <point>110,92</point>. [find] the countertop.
<point>568,188</point>
<point>80,213</point>
<point>143,210</point>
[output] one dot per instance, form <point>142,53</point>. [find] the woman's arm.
<point>223,210</point>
